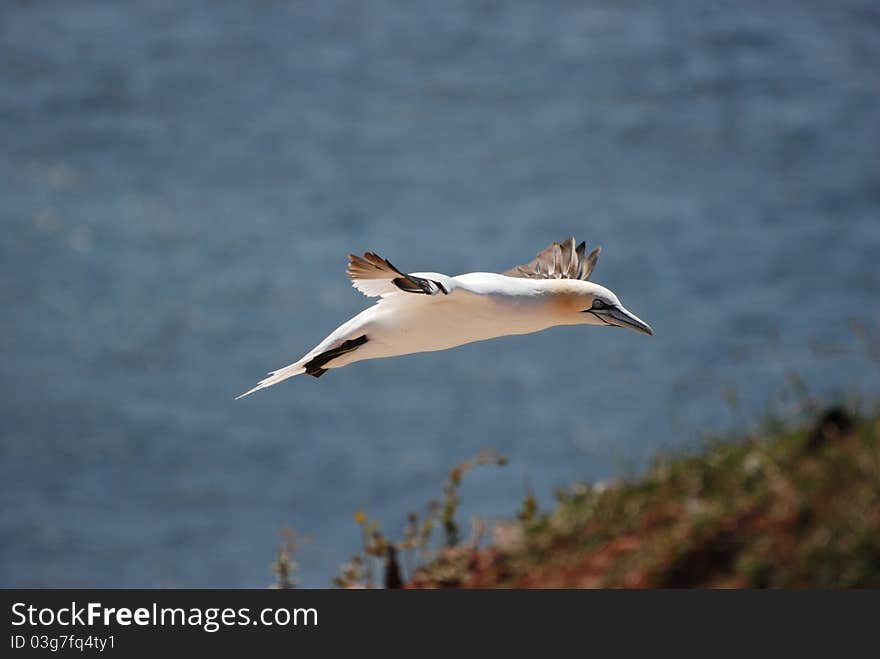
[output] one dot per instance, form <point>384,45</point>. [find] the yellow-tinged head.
<point>585,303</point>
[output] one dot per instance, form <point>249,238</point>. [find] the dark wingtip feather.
<point>559,261</point>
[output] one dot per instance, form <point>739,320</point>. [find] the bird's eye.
<point>599,304</point>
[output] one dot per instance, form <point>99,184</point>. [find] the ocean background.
<point>180,184</point>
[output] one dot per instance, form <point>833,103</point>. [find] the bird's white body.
<point>479,306</point>
<point>457,310</point>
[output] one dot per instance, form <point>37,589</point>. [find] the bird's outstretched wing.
<point>374,276</point>
<point>559,261</point>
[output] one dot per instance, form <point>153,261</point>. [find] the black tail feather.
<point>315,366</point>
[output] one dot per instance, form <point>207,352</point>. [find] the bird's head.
<point>596,305</point>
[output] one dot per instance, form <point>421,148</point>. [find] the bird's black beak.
<point>620,317</point>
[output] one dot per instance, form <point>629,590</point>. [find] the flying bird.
<point>427,311</point>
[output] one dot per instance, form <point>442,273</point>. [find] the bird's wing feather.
<point>374,277</point>
<point>559,261</point>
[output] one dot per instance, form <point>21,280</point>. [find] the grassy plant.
<point>377,550</point>
<point>285,566</point>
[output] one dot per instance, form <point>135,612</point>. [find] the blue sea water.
<point>180,183</point>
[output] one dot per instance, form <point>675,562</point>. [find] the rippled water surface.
<point>180,183</point>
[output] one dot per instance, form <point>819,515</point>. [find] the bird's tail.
<point>276,376</point>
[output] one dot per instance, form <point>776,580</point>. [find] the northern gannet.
<point>427,311</point>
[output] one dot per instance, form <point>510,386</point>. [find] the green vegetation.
<point>791,507</point>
